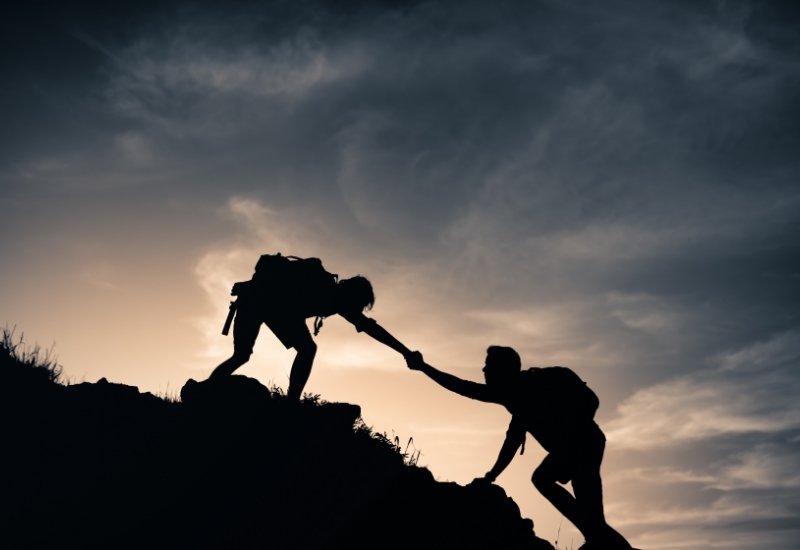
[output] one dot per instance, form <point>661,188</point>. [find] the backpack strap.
<point>318,324</point>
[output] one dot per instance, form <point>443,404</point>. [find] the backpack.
<point>306,273</point>
<point>303,279</point>
<point>560,390</point>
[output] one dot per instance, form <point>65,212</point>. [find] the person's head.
<point>502,364</point>
<point>358,292</point>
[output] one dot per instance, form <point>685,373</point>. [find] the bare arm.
<point>382,335</point>
<point>371,327</point>
<point>515,436</point>
<point>473,390</point>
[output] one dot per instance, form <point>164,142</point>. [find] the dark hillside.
<point>233,465</point>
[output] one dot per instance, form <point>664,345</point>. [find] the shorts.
<point>579,455</point>
<point>289,329</point>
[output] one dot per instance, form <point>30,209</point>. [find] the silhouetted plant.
<point>558,537</point>
<point>311,399</point>
<point>275,390</point>
<point>173,396</point>
<point>413,458</point>
<point>42,361</point>
<point>384,438</point>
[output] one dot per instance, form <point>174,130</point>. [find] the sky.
<point>611,187</point>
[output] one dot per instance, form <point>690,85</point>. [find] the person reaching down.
<point>283,293</point>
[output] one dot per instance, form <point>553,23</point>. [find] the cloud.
<point>135,148</point>
<point>720,449</point>
<point>751,390</point>
<point>643,312</point>
<point>766,466</point>
<point>264,231</point>
<point>213,80</point>
<point>100,274</point>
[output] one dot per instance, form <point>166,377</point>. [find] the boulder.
<point>229,392</point>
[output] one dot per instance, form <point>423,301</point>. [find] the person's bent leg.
<point>588,487</point>
<point>245,332</point>
<point>588,490</point>
<point>301,367</point>
<point>227,367</point>
<point>586,482</point>
<point>544,479</point>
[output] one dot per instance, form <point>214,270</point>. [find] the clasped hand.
<point>415,361</point>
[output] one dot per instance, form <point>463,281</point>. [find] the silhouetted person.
<point>282,294</point>
<point>557,409</point>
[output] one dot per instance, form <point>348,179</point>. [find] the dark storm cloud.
<point>625,173</point>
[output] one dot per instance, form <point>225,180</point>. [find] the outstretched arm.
<point>371,327</point>
<point>382,335</point>
<point>515,436</point>
<point>473,390</point>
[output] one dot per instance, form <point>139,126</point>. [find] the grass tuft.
<point>411,459</point>
<point>43,362</point>
<point>169,395</point>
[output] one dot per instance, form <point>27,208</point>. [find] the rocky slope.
<point>233,465</point>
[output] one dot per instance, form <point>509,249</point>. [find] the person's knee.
<point>306,347</point>
<point>543,479</point>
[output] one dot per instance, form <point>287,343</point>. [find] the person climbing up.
<point>283,293</point>
<point>557,408</point>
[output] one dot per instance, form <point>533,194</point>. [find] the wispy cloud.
<point>219,268</point>
<point>751,390</point>
<point>732,428</point>
<point>193,86</point>
<point>100,274</point>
